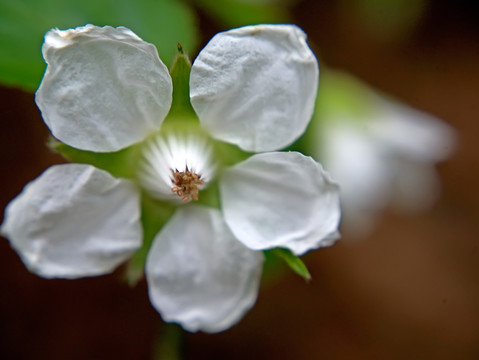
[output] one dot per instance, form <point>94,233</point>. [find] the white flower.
<point>381,155</point>
<point>105,89</point>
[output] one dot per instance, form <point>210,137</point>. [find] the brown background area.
<point>409,291</point>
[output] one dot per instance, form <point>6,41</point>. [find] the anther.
<point>185,184</point>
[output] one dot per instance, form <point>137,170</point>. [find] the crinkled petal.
<point>104,88</point>
<point>198,274</point>
<point>74,221</point>
<point>281,200</point>
<point>255,86</point>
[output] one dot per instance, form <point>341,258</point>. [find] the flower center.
<point>176,167</point>
<point>185,184</point>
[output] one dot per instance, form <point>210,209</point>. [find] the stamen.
<point>185,184</point>
<point>176,167</point>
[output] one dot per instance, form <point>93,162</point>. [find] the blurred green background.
<point>410,290</point>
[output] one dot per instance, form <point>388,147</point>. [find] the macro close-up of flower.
<point>238,179</point>
<point>229,194</point>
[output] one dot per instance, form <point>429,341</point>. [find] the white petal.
<point>104,88</point>
<point>411,133</point>
<point>360,166</point>
<point>417,186</point>
<point>281,200</point>
<point>198,274</point>
<point>73,221</point>
<point>255,86</point>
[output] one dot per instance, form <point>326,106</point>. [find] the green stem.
<point>168,345</point>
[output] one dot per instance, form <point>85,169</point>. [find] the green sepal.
<point>154,214</point>
<point>180,76</point>
<point>294,262</point>
<point>210,196</point>
<point>121,163</point>
<point>229,154</point>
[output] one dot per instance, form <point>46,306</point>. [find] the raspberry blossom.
<point>105,89</point>
<point>381,154</point>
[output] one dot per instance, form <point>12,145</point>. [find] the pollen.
<point>185,184</point>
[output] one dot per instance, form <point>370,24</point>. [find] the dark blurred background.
<point>408,291</point>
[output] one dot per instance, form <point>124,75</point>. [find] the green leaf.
<point>294,262</point>
<point>387,19</point>
<point>233,13</point>
<point>23,24</point>
<point>121,163</point>
<point>154,214</point>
